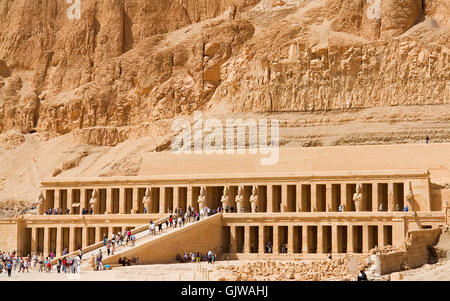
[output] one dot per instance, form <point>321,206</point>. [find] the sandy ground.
<point>191,272</point>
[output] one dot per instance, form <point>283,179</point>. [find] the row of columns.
<point>384,236</point>
<point>73,242</point>
<point>315,194</point>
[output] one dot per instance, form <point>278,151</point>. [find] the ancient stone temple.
<point>311,203</point>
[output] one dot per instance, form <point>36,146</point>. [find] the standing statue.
<point>148,200</point>
<point>39,204</point>
<point>357,197</point>
<point>409,198</point>
<point>224,199</point>
<point>202,198</point>
<point>240,199</point>
<point>254,199</point>
<point>94,201</point>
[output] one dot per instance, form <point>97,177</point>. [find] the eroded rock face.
<point>124,63</point>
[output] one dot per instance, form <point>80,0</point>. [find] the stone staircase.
<point>142,237</point>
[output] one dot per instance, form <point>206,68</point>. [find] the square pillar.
<point>284,198</point>
<point>135,200</point>
<point>189,197</point>
<point>261,246</point>
<point>72,239</point>
<point>34,240</point>
<point>319,239</point>
<point>233,239</point>
<point>162,200</point>
<point>380,235</point>
<point>176,200</point>
<point>109,200</point>
<point>290,241</point>
<point>46,241</point>
<point>365,238</point>
<point>276,241</point>
<point>82,199</point>
<point>328,197</point>
<point>298,191</point>
<point>247,240</point>
<point>350,239</point>
<point>58,198</point>
<point>98,234</point>
<point>334,239</point>
<point>110,231</point>
<point>391,206</point>
<point>84,238</point>
<point>304,239</point>
<point>122,200</point>
<point>59,241</point>
<point>70,200</point>
<point>269,198</point>
<point>344,197</point>
<point>314,205</point>
<point>375,204</point>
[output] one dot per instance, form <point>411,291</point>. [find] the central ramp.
<point>200,236</point>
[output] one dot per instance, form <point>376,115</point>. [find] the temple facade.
<point>300,214</point>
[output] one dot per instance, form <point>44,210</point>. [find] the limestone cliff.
<point>127,62</point>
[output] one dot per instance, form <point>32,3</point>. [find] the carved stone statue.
<point>94,201</point>
<point>224,199</point>
<point>202,198</point>
<point>254,199</point>
<point>148,200</point>
<point>240,199</point>
<point>39,203</point>
<point>357,197</point>
<point>409,198</point>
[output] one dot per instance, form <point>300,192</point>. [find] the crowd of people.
<point>210,256</point>
<point>57,211</point>
<point>11,262</point>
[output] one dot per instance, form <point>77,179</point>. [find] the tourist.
<point>381,207</point>
<point>231,209</point>
<point>427,139</point>
<point>167,223</point>
<point>108,247</point>
<point>209,256</point>
<point>362,276</point>
<point>58,266</point>
<point>105,239</point>
<point>406,208</point>
<point>145,210</point>
<point>340,208</point>
<point>160,227</point>
<point>80,253</point>
<point>9,268</point>
<point>41,264</point>
<point>133,240</point>
<point>180,220</point>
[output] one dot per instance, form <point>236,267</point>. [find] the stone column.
<point>84,237</point>
<point>98,234</point>
<point>58,198</point>
<point>269,198</point>
<point>328,197</point>
<point>350,238</point>
<point>261,242</point>
<point>162,200</point>
<point>334,239</point>
<point>391,206</point>
<point>290,241</point>
<point>110,231</point>
<point>344,202</point>
<point>82,199</point>
<point>298,192</point>
<point>72,239</point>
<point>247,239</point>
<point>189,197</point>
<point>380,235</point>
<point>375,204</point>
<point>109,200</point>
<point>122,200</point>
<point>233,239</point>
<point>59,241</point>
<point>34,240</point>
<point>365,238</point>
<point>304,239</point>
<point>284,198</point>
<point>314,205</point>
<point>319,239</point>
<point>46,241</point>
<point>70,200</point>
<point>176,200</point>
<point>135,200</point>
<point>276,240</point>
